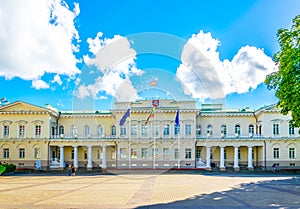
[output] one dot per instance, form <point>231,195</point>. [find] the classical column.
<point>90,162</point>
<point>222,165</point>
<point>208,158</point>
<point>75,156</point>
<point>61,158</point>
<point>236,158</point>
<point>103,156</point>
<point>250,163</point>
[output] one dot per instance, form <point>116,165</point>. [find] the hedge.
<point>7,168</point>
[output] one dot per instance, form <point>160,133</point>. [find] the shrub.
<point>7,168</point>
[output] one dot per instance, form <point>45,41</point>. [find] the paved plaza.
<point>150,191</point>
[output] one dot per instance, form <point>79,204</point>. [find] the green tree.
<point>286,81</point>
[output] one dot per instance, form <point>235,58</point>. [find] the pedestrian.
<point>274,167</point>
<point>69,170</point>
<point>73,170</point>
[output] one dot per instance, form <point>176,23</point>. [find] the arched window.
<point>237,129</point>
<point>251,129</point>
<point>223,130</point>
<point>209,130</point>
<point>87,131</point>
<point>61,130</point>
<point>113,130</point>
<point>100,131</point>
<point>198,130</point>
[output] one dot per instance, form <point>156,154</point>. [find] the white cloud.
<point>37,37</point>
<point>39,84</point>
<point>115,62</point>
<point>203,75</point>
<point>57,79</point>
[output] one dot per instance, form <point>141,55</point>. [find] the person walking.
<point>73,170</point>
<point>69,170</point>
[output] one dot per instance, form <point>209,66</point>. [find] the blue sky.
<point>209,51</point>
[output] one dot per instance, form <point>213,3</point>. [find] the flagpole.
<point>154,149</point>
<point>129,144</point>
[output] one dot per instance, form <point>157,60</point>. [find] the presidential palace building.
<point>148,134</point>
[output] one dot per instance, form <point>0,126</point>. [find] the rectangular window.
<point>198,153</point>
<point>72,154</point>
<point>156,130</point>
<point>21,153</point>
<point>198,130</point>
<point>176,130</point>
<point>176,153</point>
<point>133,153</point>
<point>292,153</point>
<point>144,130</point>
<point>252,153</point>
<point>37,153</point>
<point>155,152</point>
<point>291,130</point>
<point>292,164</point>
<point>98,154</point>
<point>5,131</point>
<point>239,154</point>
<point>167,130</point>
<point>85,155</point>
<point>276,129</point>
<point>21,130</point>
<point>38,130</point>
<point>113,153</point>
<point>123,131</point>
<point>188,153</point>
<point>134,130</point>
<point>188,129</point>
<point>225,154</point>
<point>5,153</point>
<point>144,153</point>
<point>122,153</point>
<point>276,153</point>
<point>166,153</point>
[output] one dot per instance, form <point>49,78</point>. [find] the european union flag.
<point>177,119</point>
<point>125,116</point>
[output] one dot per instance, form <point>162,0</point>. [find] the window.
<point>87,132</point>
<point>176,153</point>
<point>209,130</point>
<point>5,131</point>
<point>188,129</point>
<point>5,153</point>
<point>144,130</point>
<point>122,153</point>
<point>176,130</point>
<point>113,131</point>
<point>155,152</point>
<point>123,131</point>
<point>292,153</point>
<point>37,153</point>
<point>74,131</point>
<point>251,129</point>
<point>72,154</point>
<point>61,130</point>
<point>252,153</point>
<point>134,130</point>
<point>21,153</point>
<point>133,153</point>
<point>113,153</point>
<point>167,130</point>
<point>21,130</point>
<point>144,153</point>
<point>292,164</point>
<point>156,130</point>
<point>188,153</point>
<point>85,155</point>
<point>291,130</point>
<point>198,130</point>
<point>198,153</point>
<point>166,153</point>
<point>276,152</point>
<point>225,154</point>
<point>224,130</point>
<point>38,130</point>
<point>237,130</point>
<point>239,154</point>
<point>100,131</point>
<point>275,128</point>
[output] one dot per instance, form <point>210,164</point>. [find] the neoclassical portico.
<point>227,155</point>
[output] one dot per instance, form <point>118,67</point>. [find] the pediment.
<point>20,106</point>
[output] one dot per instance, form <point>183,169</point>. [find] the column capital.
<point>61,146</point>
<point>89,146</point>
<point>222,146</point>
<point>250,146</point>
<point>236,146</point>
<point>75,146</point>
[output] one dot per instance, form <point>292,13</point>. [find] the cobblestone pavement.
<point>150,191</point>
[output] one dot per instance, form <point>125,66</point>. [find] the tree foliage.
<point>286,81</point>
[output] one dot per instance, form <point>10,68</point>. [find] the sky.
<point>91,54</point>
